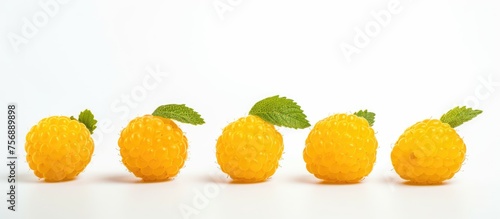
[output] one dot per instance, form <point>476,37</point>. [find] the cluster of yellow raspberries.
<point>340,148</point>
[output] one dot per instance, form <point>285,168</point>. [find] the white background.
<point>428,58</point>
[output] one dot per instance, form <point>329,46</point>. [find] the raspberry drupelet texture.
<point>428,152</point>
<point>249,149</point>
<point>153,148</point>
<point>341,149</point>
<point>58,148</point>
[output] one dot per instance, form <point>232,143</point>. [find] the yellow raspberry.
<point>342,148</point>
<point>59,148</point>
<point>250,148</point>
<point>153,147</point>
<point>431,151</point>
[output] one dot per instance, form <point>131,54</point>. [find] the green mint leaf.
<point>369,116</point>
<point>179,112</point>
<point>87,118</point>
<point>280,111</point>
<point>458,115</point>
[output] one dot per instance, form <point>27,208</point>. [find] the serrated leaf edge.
<point>362,113</point>
<point>462,109</point>
<point>83,116</point>
<point>196,120</point>
<point>296,110</point>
